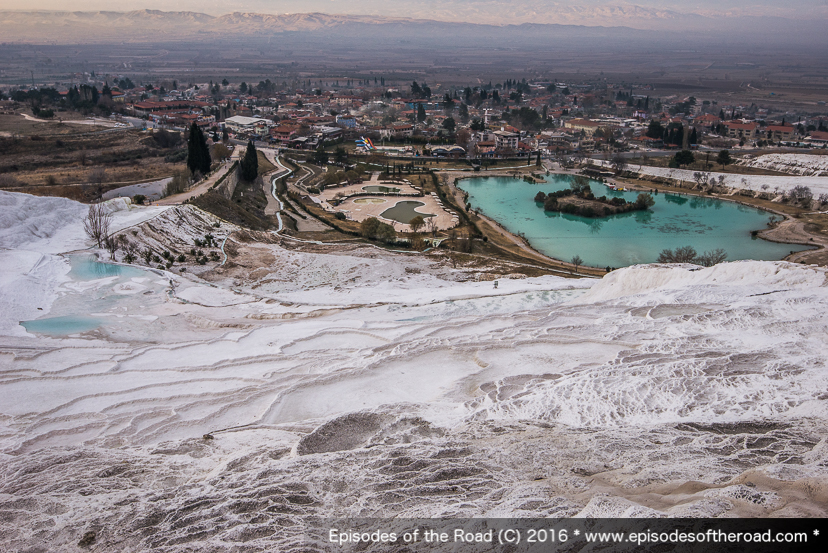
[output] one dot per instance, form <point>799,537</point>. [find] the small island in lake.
<point>578,199</point>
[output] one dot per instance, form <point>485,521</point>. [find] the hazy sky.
<point>460,9</point>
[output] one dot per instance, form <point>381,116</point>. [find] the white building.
<point>506,139</point>
<point>251,125</point>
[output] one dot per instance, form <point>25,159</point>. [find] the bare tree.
<point>801,194</point>
<point>8,181</point>
<point>179,183</point>
<point>96,177</point>
<point>97,223</point>
<point>431,226</point>
<point>417,223</point>
<point>684,254</point>
<point>687,254</point>
<point>702,178</point>
<point>577,261</point>
<point>112,243</point>
<point>619,163</point>
<point>130,251</point>
<point>713,257</point>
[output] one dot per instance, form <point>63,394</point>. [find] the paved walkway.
<point>309,223</point>
<point>273,206</point>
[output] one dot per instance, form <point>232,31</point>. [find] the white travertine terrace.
<point>343,385</point>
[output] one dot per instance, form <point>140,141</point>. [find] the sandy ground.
<point>795,231</point>
<point>95,122</point>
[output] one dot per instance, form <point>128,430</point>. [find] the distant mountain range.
<point>606,22</point>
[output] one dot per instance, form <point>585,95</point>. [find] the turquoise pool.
<point>629,238</point>
<point>62,326</point>
<point>86,267</point>
<point>98,305</point>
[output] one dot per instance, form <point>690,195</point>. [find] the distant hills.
<point>606,22</point>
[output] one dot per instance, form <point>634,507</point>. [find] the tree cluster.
<point>724,158</point>
<point>580,188</point>
<point>801,194</point>
<point>420,91</point>
<point>684,157</point>
<point>526,118</point>
<point>688,254</point>
<point>374,229</point>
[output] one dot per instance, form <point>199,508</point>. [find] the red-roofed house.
<point>779,132</point>
<point>402,129</point>
<point>283,133</point>
<point>706,121</point>
<point>818,137</point>
<point>737,129</point>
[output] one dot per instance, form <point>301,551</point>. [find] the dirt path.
<point>203,186</point>
<point>92,122</point>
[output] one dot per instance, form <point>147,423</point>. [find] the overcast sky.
<point>466,10</point>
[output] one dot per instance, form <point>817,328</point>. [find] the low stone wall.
<point>228,184</point>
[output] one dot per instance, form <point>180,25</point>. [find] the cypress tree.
<point>194,151</point>
<point>198,154</point>
<point>205,152</point>
<point>250,163</point>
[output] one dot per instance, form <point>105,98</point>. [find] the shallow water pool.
<point>369,201</point>
<point>62,326</point>
<point>112,298</point>
<point>86,267</point>
<point>403,212</point>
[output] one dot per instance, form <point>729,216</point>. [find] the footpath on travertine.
<point>202,186</point>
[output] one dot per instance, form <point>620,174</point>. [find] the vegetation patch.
<point>578,199</point>
<point>245,208</point>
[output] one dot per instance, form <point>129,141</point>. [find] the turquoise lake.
<point>629,238</point>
